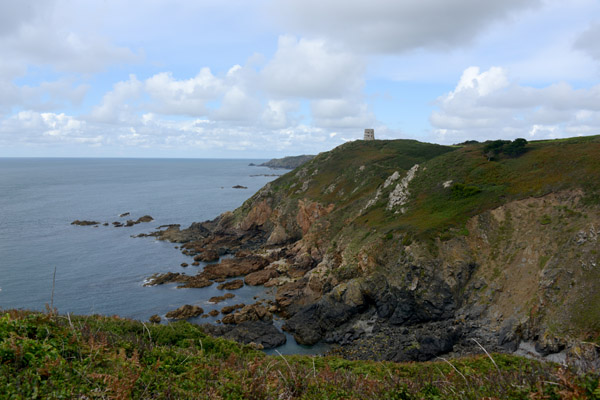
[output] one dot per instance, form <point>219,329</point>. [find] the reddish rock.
<point>184,264</point>
<point>260,277</point>
<point>214,313</point>
<point>207,256</point>
<point>254,312</point>
<point>235,267</point>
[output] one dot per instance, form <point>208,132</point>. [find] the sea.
<point>102,269</point>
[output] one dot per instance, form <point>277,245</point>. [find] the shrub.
<point>461,191</point>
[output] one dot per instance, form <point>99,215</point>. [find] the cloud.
<point>589,41</point>
<point>312,69</point>
<point>487,105</point>
<point>383,26</point>
<point>116,106</point>
<point>33,33</point>
<point>341,114</point>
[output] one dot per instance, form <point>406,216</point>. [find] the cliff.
<point>420,248</point>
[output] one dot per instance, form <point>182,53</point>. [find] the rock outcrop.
<point>185,312</point>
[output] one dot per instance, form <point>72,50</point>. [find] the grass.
<point>44,355</point>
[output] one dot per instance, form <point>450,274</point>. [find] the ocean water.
<point>101,270</point>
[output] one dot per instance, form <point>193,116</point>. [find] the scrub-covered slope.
<point>418,247</point>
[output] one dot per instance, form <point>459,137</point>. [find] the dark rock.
<point>145,218</point>
<point>214,313</point>
<point>155,319</point>
<point>184,264</point>
<point>84,222</point>
<point>117,224</point>
<point>169,277</point>
<point>185,312</point>
<point>125,214</point>
<point>130,223</point>
<point>311,323</point>
<point>239,187</point>
<point>259,332</point>
<point>231,285</point>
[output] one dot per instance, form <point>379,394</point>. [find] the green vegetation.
<point>52,356</point>
<point>512,149</point>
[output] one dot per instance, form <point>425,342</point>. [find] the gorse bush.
<point>512,149</point>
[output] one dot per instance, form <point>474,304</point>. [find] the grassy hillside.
<point>62,356</point>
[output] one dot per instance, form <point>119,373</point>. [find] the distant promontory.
<point>292,162</point>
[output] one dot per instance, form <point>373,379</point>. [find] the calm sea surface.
<point>102,270</point>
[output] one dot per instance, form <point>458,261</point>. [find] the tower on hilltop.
<point>369,134</point>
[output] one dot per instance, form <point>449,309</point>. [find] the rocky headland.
<point>291,162</point>
<point>400,250</point>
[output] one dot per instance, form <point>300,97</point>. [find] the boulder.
<point>253,312</point>
<point>229,309</point>
<point>218,299</point>
<point>184,312</point>
<point>231,285</point>
<point>145,218</point>
<point>155,319</point>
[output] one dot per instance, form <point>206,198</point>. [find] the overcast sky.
<point>268,78</point>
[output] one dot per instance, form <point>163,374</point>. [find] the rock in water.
<point>155,319</point>
<point>145,218</point>
<point>84,223</point>
<point>231,285</point>
<point>185,312</point>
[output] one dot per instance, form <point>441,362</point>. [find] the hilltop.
<point>418,247</point>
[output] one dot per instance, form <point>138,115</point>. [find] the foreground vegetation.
<point>45,355</point>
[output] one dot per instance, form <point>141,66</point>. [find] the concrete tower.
<point>369,134</point>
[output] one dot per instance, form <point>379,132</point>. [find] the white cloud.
<point>341,113</point>
<point>183,97</point>
<point>116,105</point>
<point>312,69</point>
<point>395,26</point>
<point>487,105</point>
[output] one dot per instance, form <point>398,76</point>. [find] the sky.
<point>271,78</point>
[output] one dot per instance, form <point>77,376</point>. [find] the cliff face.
<point>421,247</point>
